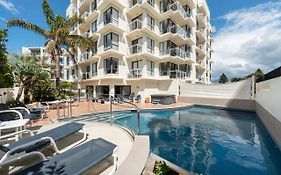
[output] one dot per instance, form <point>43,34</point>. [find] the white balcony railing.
<point>86,34</point>
<point>136,49</point>
<point>85,15</point>
<point>136,24</point>
<point>175,74</point>
<point>177,6</point>
<point>135,2</point>
<point>135,73</point>
<point>176,52</point>
<point>86,76</point>
<point>85,56</point>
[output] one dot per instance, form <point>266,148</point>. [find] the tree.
<point>236,79</point>
<point>223,79</point>
<point>58,35</point>
<point>259,73</point>
<point>6,75</point>
<point>28,73</point>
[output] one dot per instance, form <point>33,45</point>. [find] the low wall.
<point>229,103</point>
<point>268,103</point>
<point>238,90</point>
<point>8,94</point>
<point>233,95</point>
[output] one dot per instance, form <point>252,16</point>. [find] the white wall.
<point>11,94</point>
<point>238,90</point>
<point>269,96</point>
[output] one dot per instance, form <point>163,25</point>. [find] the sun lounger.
<point>39,141</point>
<point>75,161</point>
<point>24,112</point>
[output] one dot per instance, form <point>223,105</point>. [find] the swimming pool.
<point>210,141</point>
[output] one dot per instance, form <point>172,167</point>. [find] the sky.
<point>248,33</point>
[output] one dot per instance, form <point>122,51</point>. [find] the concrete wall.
<point>10,94</point>
<point>232,95</point>
<point>238,90</point>
<point>268,103</point>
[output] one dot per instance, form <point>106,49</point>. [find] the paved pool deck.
<point>84,107</point>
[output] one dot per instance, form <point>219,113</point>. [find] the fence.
<point>273,74</point>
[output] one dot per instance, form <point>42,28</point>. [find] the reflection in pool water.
<point>210,141</point>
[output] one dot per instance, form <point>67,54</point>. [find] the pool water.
<point>210,141</point>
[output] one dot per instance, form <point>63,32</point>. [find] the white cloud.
<point>250,39</point>
<point>9,6</point>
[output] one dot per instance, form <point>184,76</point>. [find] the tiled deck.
<point>83,107</point>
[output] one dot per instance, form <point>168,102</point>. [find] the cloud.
<point>9,6</point>
<point>250,39</point>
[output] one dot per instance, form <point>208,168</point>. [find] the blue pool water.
<point>210,141</point>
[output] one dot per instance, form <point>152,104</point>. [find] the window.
<point>94,69</point>
<point>164,5</point>
<point>111,41</point>
<point>94,26</point>
<point>111,65</point>
<point>166,47</point>
<point>166,25</point>
<point>150,45</point>
<point>150,67</point>
<point>95,48</point>
<point>150,22</point>
<point>151,2</point>
<point>111,15</point>
<point>67,61</point>
<point>67,74</point>
<point>93,5</point>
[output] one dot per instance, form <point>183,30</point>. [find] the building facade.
<point>141,46</point>
<point>39,52</point>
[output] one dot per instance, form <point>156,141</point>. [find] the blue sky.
<point>224,15</point>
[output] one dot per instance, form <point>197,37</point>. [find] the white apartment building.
<point>45,58</point>
<point>143,47</point>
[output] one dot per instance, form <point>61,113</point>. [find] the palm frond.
<point>48,12</point>
<point>73,21</point>
<point>28,26</point>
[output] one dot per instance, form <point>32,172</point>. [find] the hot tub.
<point>164,99</point>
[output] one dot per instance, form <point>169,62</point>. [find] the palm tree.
<point>28,71</point>
<point>58,35</point>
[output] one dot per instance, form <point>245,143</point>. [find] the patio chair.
<point>39,112</point>
<point>4,108</point>
<point>138,99</point>
<point>75,161</point>
<point>132,97</point>
<point>50,137</point>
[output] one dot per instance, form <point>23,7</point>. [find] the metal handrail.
<point>135,106</point>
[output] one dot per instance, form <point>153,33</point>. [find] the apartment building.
<point>39,52</point>
<point>141,46</point>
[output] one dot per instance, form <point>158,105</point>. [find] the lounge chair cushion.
<point>57,134</point>
<point>75,161</point>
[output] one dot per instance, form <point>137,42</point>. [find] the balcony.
<point>176,53</point>
<point>176,12</point>
<point>138,50</point>
<point>200,49</point>
<point>85,56</point>
<point>86,76</point>
<point>136,7</point>
<point>111,25</point>
<point>135,73</point>
<point>174,74</point>
<point>201,35</point>
<point>174,33</point>
<point>201,20</point>
<point>86,34</point>
<point>137,27</point>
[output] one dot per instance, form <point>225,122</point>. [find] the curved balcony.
<point>136,8</point>
<point>201,35</point>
